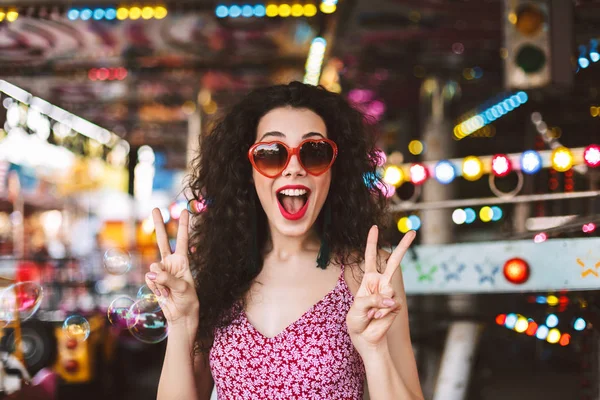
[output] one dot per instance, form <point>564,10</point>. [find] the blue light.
<point>73,14</point>
<point>98,14</point>
<point>594,56</point>
<point>494,112</point>
<point>583,62</point>
<point>522,96</point>
<point>531,162</point>
<point>507,105</point>
<point>542,332</point>
<point>235,11</point>
<point>579,324</point>
<point>496,213</point>
<point>511,320</point>
<point>85,14</point>
<point>477,72</point>
<point>247,11</point>
<point>489,115</point>
<point>110,14</point>
<point>471,215</point>
<point>551,321</point>
<point>513,103</point>
<point>540,299</point>
<point>259,10</point>
<point>415,222</point>
<point>499,109</point>
<point>445,172</point>
<point>222,11</point>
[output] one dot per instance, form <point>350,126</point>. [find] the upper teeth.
<point>293,192</point>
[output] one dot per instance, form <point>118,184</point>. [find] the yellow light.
<point>553,336</point>
<point>415,147</point>
<point>552,300</point>
<point>472,168</point>
<point>135,13</point>
<point>285,10</point>
<point>521,325</point>
<point>327,8</point>
<point>148,225</point>
<point>486,214</point>
<point>2,15</point>
<point>562,159</point>
<point>512,17</point>
<point>160,12</point>
<point>147,12</point>
<point>594,111</point>
<point>122,13</point>
<point>310,10</point>
<point>12,16</point>
<point>297,10</point>
<point>272,10</point>
<point>393,175</point>
<point>404,225</point>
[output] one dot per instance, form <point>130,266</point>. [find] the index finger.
<point>371,250</point>
<point>161,234</point>
<point>182,234</point>
<point>398,255</point>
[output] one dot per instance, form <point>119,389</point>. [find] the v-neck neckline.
<point>341,279</point>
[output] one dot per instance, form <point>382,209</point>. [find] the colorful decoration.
<point>516,271</point>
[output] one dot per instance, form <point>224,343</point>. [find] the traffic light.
<point>538,38</point>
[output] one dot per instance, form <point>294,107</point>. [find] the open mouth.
<point>293,202</point>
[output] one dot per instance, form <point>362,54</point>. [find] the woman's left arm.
<point>378,326</point>
<point>392,369</point>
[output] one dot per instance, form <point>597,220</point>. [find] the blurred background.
<point>488,118</point>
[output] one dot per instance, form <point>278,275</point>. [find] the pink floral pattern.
<point>313,358</point>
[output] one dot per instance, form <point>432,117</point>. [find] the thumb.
<point>375,300</point>
<point>175,284</point>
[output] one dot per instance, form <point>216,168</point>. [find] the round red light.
<point>500,319</point>
<point>71,344</point>
<point>516,270</point>
<point>531,328</point>
<point>418,174</point>
<point>565,339</point>
<point>501,165</point>
<point>71,365</point>
<point>591,155</point>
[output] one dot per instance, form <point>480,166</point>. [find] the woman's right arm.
<point>183,376</point>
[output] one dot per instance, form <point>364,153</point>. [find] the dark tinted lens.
<point>270,158</point>
<point>316,156</point>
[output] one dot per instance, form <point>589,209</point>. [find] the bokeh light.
<point>551,321</point>
<point>418,174</point>
<point>531,162</point>
<point>445,172</point>
<point>496,213</point>
<point>579,324</point>
<point>516,271</point>
<point>591,155</point>
<point>486,214</point>
<point>393,175</point>
<point>553,336</point>
<point>521,325</point>
<point>542,332</point>
<point>562,159</point>
<point>470,215</point>
<point>472,168</point>
<point>501,165</point>
<point>459,216</point>
<point>415,147</point>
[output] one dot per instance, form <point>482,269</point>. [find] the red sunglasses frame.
<point>291,152</point>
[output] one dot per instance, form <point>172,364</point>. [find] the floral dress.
<point>313,358</point>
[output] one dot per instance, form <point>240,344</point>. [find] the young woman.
<point>282,292</point>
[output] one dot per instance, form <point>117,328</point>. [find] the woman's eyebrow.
<point>280,134</point>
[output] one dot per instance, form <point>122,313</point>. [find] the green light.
<point>530,58</point>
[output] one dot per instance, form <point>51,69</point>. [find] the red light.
<point>501,165</point>
<point>93,74</point>
<point>565,339</point>
<point>516,270</point>
<point>589,228</point>
<point>103,74</point>
<point>563,300</point>
<point>500,319</point>
<point>540,237</point>
<point>531,328</point>
<point>418,174</point>
<point>71,344</point>
<point>591,155</point>
<point>121,73</point>
<point>71,366</point>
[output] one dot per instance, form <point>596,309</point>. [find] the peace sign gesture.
<point>171,279</point>
<point>376,304</point>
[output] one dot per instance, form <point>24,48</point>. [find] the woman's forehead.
<point>292,123</point>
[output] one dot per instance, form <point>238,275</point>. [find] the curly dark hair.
<point>231,234</point>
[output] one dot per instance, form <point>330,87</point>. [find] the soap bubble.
<point>23,298</point>
<point>117,262</point>
<point>118,311</point>
<point>76,327</point>
<point>147,322</point>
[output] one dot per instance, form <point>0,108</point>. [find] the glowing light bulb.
<point>472,168</point>
<point>562,159</point>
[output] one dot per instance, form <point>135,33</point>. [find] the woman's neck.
<point>283,247</point>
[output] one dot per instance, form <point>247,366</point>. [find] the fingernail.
<point>378,315</point>
<point>164,292</point>
<point>157,292</point>
<point>388,302</point>
<point>151,275</point>
<point>370,313</point>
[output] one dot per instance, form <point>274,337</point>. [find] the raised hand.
<point>376,304</point>
<point>171,279</point>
